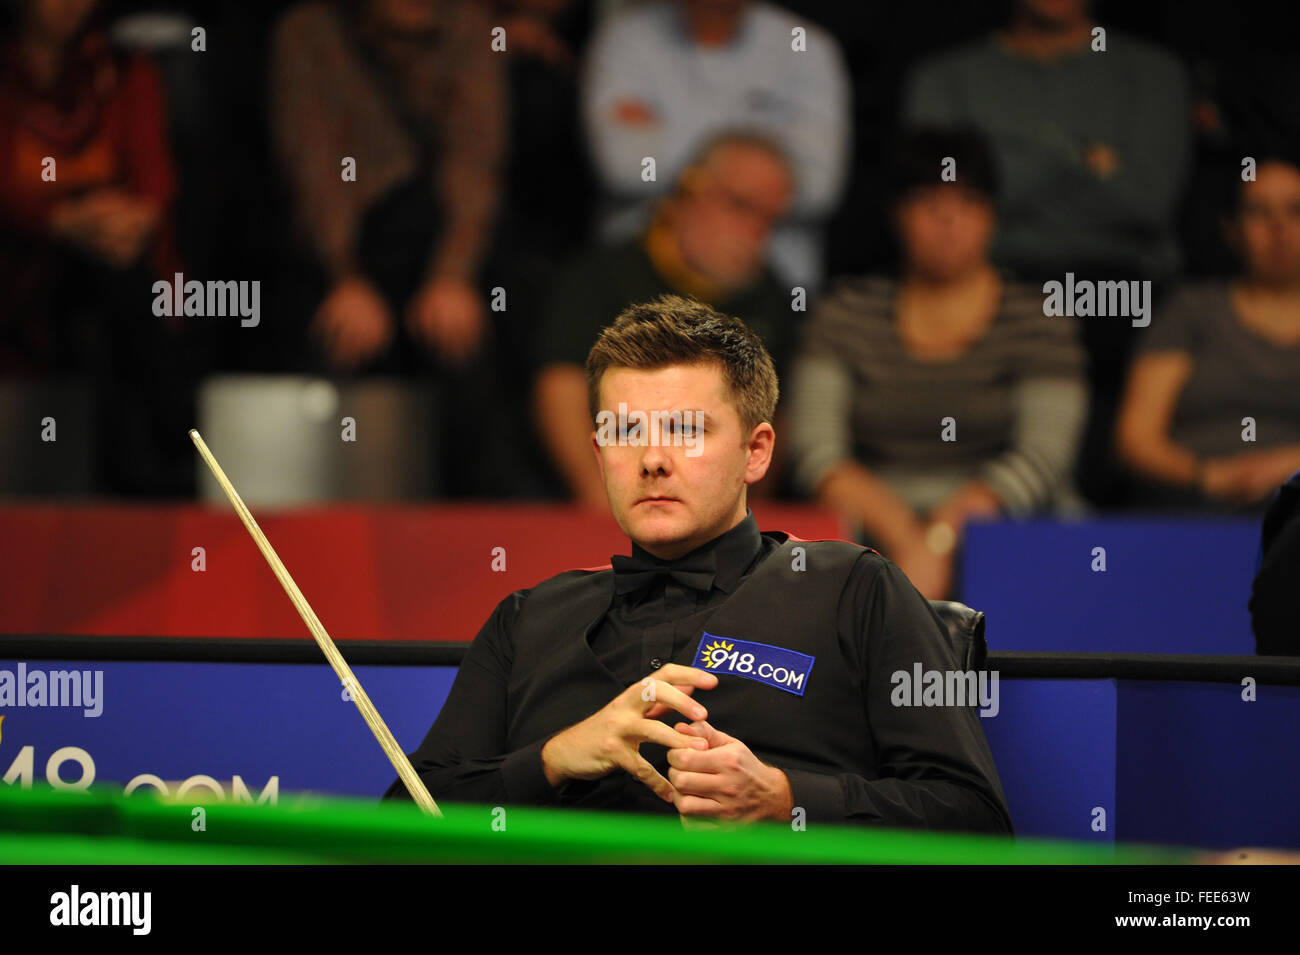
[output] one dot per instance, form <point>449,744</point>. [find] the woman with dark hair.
<point>945,394</point>
<point>1211,414</point>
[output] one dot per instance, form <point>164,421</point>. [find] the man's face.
<point>668,501</point>
<point>724,219</point>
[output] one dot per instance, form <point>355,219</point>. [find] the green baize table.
<point>102,826</point>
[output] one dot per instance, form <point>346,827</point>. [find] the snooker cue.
<point>405,771</point>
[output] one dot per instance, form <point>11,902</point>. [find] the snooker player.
<point>773,655</point>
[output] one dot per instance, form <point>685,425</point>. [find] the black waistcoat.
<point>556,680</point>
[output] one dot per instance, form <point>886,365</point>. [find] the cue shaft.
<point>405,771</point>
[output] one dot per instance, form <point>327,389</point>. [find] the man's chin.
<point>658,522</point>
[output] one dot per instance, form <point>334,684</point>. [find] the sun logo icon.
<point>715,653</point>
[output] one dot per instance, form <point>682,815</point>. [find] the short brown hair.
<point>675,330</point>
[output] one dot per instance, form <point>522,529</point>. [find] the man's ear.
<point>761,443</point>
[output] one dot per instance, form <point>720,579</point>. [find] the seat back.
<point>965,628</point>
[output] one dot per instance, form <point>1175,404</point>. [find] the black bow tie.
<point>634,573</point>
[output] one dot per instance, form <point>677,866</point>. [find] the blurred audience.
<point>663,76</point>
<point>439,190</point>
<point>945,395</point>
<point>549,185</point>
<point>86,202</point>
<point>1221,352</point>
<point>89,175</point>
<point>548,181</point>
<point>412,92</point>
<point>707,240</point>
<point>547,205</point>
<point>1094,148</point>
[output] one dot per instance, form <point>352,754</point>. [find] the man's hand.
<point>352,324</point>
<point>609,739</point>
<point>447,315</point>
<point>726,781</point>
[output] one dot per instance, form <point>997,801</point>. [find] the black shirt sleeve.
<point>935,770</point>
<point>1272,600</point>
<point>462,758</point>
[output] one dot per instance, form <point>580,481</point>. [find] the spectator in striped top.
<point>923,401</point>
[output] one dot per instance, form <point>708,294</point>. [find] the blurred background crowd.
<point>441,224</point>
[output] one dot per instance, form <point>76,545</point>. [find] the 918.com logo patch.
<point>761,662</point>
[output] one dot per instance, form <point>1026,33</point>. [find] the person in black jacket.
<point>1273,593</point>
<point>718,673</point>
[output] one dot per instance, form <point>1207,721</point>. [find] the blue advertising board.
<point>1200,764</point>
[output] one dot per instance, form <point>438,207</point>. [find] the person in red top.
<point>88,180</point>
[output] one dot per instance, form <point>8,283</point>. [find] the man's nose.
<point>655,457</point>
